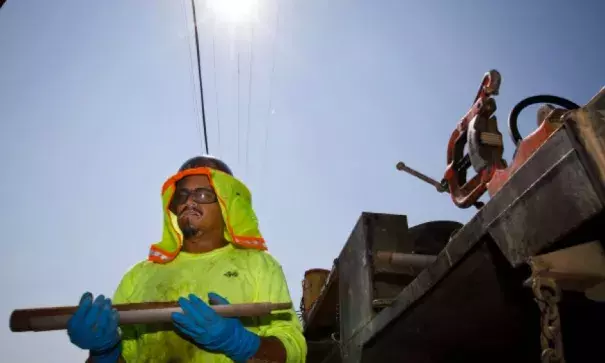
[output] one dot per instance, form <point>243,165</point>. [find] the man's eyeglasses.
<point>199,195</point>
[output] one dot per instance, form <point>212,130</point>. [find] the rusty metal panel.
<point>387,232</point>
<point>360,285</point>
<point>356,288</point>
<point>424,239</point>
<point>547,198</point>
<point>471,314</point>
<point>480,312</point>
<point>554,176</point>
<point>587,128</point>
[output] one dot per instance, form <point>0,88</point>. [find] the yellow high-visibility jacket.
<point>242,272</point>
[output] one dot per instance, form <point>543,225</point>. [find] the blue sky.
<point>98,106</point>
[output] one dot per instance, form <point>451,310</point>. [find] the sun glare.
<point>233,11</point>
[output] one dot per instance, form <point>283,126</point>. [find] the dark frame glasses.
<point>201,195</point>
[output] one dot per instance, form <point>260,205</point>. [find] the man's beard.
<point>189,231</point>
<point>187,228</point>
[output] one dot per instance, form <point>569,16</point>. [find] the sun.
<point>233,11</point>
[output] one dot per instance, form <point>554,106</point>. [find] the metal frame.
<point>470,303</point>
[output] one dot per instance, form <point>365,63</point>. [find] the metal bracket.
<point>579,268</point>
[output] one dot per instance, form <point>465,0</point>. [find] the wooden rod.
<point>56,318</point>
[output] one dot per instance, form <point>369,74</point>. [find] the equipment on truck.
<point>478,131</point>
<point>522,281</point>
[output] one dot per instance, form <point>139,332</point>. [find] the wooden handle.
<point>56,318</point>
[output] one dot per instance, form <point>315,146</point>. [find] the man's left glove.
<point>214,332</point>
<point>94,327</point>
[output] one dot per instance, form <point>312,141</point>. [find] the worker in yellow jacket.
<point>211,252</point>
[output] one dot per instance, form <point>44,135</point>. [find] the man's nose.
<point>189,202</point>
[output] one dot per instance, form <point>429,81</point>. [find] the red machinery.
<point>478,130</point>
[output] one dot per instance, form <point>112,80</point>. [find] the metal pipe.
<point>56,318</point>
<point>410,260</point>
<point>439,186</point>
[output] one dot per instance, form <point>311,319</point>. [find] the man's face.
<point>195,203</point>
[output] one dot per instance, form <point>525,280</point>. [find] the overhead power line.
<point>199,75</point>
<point>191,74</point>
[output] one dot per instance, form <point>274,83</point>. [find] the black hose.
<point>514,113</point>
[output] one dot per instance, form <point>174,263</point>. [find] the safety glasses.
<point>199,195</point>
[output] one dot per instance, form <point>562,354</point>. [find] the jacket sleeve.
<point>123,295</point>
<point>281,324</point>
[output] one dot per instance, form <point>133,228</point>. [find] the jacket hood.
<point>235,201</point>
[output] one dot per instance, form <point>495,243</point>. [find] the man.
<point>211,248</point>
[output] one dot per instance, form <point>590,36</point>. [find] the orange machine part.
<point>527,147</point>
<point>467,194</point>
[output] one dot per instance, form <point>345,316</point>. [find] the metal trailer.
<point>387,300</point>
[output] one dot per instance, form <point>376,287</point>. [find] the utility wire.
<point>199,75</point>
<point>191,75</point>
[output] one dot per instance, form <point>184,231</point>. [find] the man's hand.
<point>94,327</point>
<point>213,332</point>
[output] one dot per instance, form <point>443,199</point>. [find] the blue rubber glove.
<point>214,332</point>
<point>94,327</point>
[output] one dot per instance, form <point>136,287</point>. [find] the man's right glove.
<point>94,327</point>
<point>213,332</point>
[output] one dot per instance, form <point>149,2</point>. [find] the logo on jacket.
<point>231,274</point>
